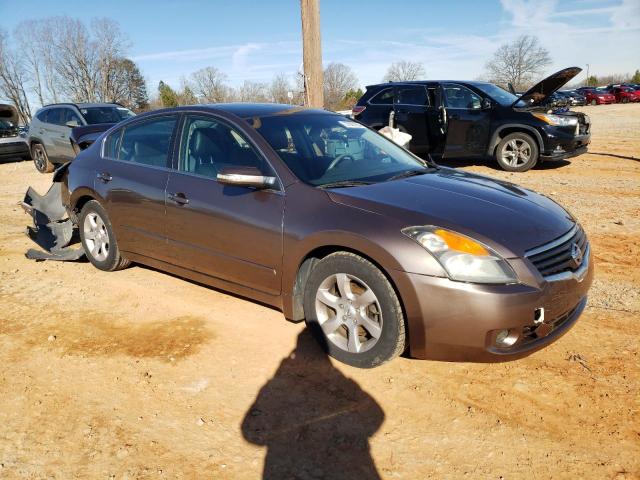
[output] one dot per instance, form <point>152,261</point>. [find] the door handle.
<point>104,177</point>
<point>178,198</point>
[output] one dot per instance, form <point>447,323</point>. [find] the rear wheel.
<point>625,100</point>
<point>98,239</point>
<point>353,311</point>
<point>594,102</point>
<point>41,159</point>
<point>517,152</point>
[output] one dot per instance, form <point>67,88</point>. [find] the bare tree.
<point>280,88</point>
<point>404,71</point>
<point>110,45</point>
<point>338,80</point>
<point>13,78</point>
<point>209,84</point>
<point>518,62</point>
<point>35,41</point>
<point>251,91</point>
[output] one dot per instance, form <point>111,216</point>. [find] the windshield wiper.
<point>409,173</point>
<point>345,183</point>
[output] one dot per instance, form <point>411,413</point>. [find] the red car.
<point>625,94</point>
<point>597,97</point>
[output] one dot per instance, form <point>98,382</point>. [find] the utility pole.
<point>587,74</point>
<point>312,54</point>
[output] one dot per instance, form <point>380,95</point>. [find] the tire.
<point>41,159</point>
<point>98,240</point>
<point>517,152</point>
<point>594,102</point>
<point>625,100</point>
<point>369,307</point>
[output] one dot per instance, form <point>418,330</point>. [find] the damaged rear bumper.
<point>53,231</point>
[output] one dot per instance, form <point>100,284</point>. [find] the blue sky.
<point>257,39</point>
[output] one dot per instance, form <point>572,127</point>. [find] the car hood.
<point>505,216</point>
<point>540,92</point>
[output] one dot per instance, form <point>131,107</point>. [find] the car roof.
<point>244,110</point>
<point>82,105</point>
<point>424,82</point>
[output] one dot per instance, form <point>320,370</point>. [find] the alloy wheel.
<point>38,159</point>
<point>96,236</point>
<point>516,152</point>
<point>348,313</point>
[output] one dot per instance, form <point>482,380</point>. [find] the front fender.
<point>496,137</point>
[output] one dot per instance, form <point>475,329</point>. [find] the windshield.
<point>323,149</point>
<point>497,93</point>
<point>106,114</point>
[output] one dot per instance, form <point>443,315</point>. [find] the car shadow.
<point>314,421</point>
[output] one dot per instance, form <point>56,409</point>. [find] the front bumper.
<point>14,149</point>
<point>561,143</point>
<point>455,321</point>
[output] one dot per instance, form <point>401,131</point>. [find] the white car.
<point>13,141</point>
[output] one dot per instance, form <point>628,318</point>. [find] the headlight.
<point>557,120</point>
<point>463,258</point>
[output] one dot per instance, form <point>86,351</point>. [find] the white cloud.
<point>605,35</point>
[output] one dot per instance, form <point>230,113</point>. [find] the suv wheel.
<point>41,159</point>
<point>98,239</point>
<point>517,152</point>
<point>353,311</point>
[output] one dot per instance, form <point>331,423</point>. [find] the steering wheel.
<point>339,159</point>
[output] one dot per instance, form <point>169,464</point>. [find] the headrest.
<point>277,138</point>
<point>144,149</point>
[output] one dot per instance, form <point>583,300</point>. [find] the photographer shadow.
<point>314,421</point>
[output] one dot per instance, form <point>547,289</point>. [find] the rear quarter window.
<point>111,144</point>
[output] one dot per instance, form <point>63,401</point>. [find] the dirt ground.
<point>139,374</point>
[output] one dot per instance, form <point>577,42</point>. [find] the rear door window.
<point>55,116</point>
<point>385,97</point>
<point>413,95</point>
<point>146,143</point>
<point>70,116</point>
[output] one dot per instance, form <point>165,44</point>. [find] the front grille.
<point>556,257</point>
<point>529,333</point>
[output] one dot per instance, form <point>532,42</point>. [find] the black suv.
<point>463,119</point>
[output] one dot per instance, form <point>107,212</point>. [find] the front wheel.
<point>517,152</point>
<point>41,159</point>
<point>353,311</point>
<point>594,102</point>
<point>98,239</point>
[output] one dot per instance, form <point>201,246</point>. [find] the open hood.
<point>9,113</point>
<point>539,93</point>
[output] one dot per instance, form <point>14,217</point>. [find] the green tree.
<point>351,97</point>
<point>168,96</point>
<point>636,77</point>
<point>187,97</point>
<point>133,89</point>
<point>592,81</point>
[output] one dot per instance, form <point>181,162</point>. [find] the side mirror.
<point>486,104</point>
<point>245,177</point>
<point>72,123</point>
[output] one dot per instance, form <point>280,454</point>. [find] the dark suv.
<point>463,119</point>
<point>51,126</point>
